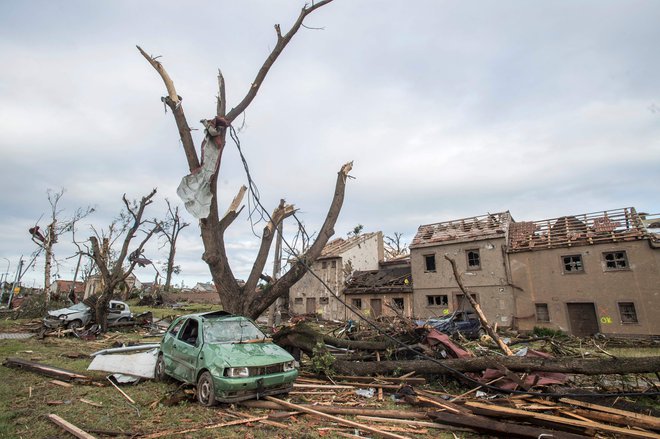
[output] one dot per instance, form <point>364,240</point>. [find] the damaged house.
<point>339,259</point>
<point>386,291</point>
<point>587,274</point>
<point>477,244</point>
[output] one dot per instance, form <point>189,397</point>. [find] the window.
<point>542,313</point>
<point>397,302</point>
<point>324,300</point>
<point>298,301</point>
<point>357,303</point>
<point>441,300</point>
<point>473,259</point>
<point>333,264</point>
<point>429,262</point>
<point>175,329</point>
<point>616,260</point>
<point>189,332</point>
<point>324,265</point>
<point>628,313</point>
<point>572,264</point>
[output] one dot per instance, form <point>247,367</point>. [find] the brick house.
<point>338,260</point>
<point>477,244</point>
<point>586,274</point>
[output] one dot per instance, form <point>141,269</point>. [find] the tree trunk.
<point>303,337</point>
<point>592,366</point>
<point>170,267</point>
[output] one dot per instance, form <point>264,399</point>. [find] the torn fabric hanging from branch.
<point>195,188</point>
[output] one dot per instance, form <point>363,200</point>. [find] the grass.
<point>26,398</point>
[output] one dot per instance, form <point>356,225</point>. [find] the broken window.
<point>440,300</point>
<point>357,303</point>
<point>324,300</point>
<point>324,265</point>
<point>429,262</point>
<point>397,302</point>
<point>572,264</point>
<point>473,259</point>
<point>542,313</point>
<point>334,264</point>
<point>175,329</point>
<point>189,332</point>
<point>298,301</point>
<point>628,313</point>
<point>616,260</point>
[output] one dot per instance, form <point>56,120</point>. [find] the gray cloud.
<point>448,109</point>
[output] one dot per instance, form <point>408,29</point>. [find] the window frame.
<point>324,300</point>
<point>395,303</point>
<point>427,258</point>
<point>621,314</point>
<point>356,302</point>
<point>467,259</point>
<point>536,312</point>
<point>298,301</point>
<point>615,261</point>
<point>564,264</point>
<point>432,298</point>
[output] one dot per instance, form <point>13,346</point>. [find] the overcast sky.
<point>448,109</point>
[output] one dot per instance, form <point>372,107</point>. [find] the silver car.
<point>79,315</point>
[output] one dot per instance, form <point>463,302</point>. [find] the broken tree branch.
<point>282,41</point>
<point>174,102</point>
<point>477,309</point>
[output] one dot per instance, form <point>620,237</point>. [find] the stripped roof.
<point>337,247</point>
<point>387,279</point>
<point>492,225</point>
<point>585,229</point>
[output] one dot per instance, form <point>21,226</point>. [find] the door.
<point>310,305</point>
<point>583,319</point>
<point>185,350</point>
<point>376,307</point>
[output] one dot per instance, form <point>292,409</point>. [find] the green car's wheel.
<point>159,371</point>
<point>206,390</point>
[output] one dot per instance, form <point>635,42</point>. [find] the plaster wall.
<point>541,277</point>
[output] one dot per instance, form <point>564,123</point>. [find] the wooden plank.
<point>207,427</point>
<point>335,419</point>
<point>648,421</point>
<point>409,422</point>
<point>499,428</point>
<point>498,410</point>
<point>67,426</point>
<point>61,383</point>
<point>43,369</point>
<point>612,418</point>
<point>335,410</point>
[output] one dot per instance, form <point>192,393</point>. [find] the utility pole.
<point>13,285</point>
<point>275,312</point>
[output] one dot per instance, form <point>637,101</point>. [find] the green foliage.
<point>547,332</point>
<point>322,360</point>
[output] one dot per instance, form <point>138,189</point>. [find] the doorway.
<point>582,318</point>
<point>310,305</point>
<point>376,307</point>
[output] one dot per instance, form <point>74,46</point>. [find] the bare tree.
<point>170,229</point>
<point>200,192</point>
<point>110,264</point>
<point>57,226</point>
<point>394,246</point>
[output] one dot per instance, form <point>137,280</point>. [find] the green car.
<point>226,356</point>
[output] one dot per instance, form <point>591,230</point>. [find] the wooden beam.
<point>65,425</point>
<point>336,419</point>
<point>507,411</point>
<point>334,410</point>
<point>641,419</point>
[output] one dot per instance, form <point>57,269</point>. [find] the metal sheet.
<point>139,365</point>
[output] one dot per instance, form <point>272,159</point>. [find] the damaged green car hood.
<point>245,354</point>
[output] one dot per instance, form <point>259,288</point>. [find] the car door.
<point>185,351</point>
<point>168,342</point>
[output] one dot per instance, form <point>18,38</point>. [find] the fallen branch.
<point>44,369</point>
<point>584,366</point>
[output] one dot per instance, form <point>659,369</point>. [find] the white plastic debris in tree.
<point>195,188</point>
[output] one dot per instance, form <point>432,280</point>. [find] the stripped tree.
<point>170,229</point>
<point>199,192</point>
<point>57,226</point>
<point>110,264</point>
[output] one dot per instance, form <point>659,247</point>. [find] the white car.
<point>79,315</point>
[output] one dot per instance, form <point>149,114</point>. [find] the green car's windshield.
<point>230,331</point>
